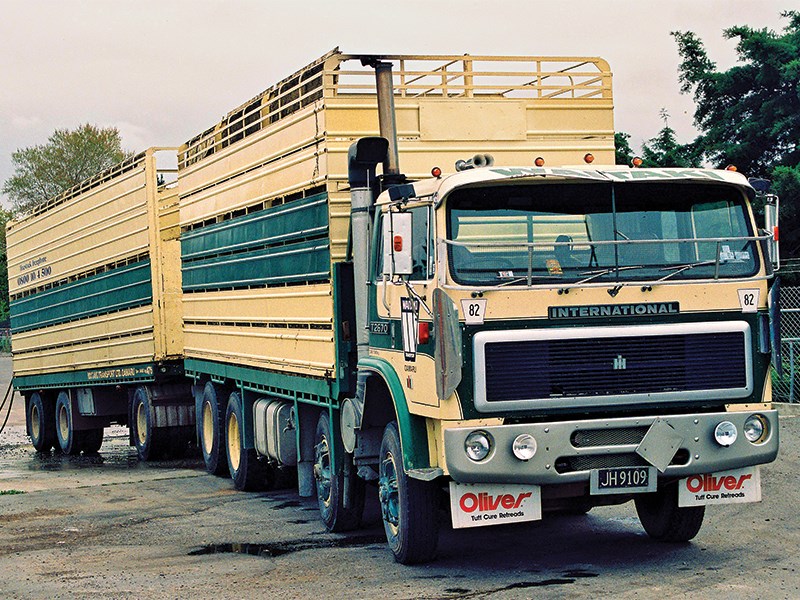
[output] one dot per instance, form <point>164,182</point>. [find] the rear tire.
<point>664,520</point>
<point>409,507</point>
<point>212,429</point>
<point>70,440</point>
<point>249,474</point>
<point>331,482</point>
<point>151,442</point>
<point>41,422</point>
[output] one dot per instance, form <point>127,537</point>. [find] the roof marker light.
<point>636,162</point>
<point>731,168</point>
<point>436,172</point>
<point>539,162</point>
<point>588,158</point>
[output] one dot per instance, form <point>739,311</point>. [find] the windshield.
<point>580,232</point>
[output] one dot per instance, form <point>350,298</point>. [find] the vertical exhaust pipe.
<point>384,85</point>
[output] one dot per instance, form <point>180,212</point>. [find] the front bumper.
<point>568,451</point>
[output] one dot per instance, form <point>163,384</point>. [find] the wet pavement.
<point>107,526</point>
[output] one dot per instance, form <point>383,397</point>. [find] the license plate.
<point>622,480</point>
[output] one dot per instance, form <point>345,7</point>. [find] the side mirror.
<point>397,258</point>
<point>771,209</point>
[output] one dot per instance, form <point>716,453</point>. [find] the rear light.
<point>398,243</point>
<point>775,235</point>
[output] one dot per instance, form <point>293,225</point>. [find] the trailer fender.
<point>413,432</point>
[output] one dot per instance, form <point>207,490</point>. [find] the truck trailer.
<point>480,325</point>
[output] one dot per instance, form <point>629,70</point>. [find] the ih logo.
<point>620,363</point>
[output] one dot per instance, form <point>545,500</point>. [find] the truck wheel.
<point>212,429</point>
<point>70,440</point>
<point>664,520</point>
<point>41,422</point>
<point>247,471</point>
<point>408,506</point>
<point>331,484</point>
<point>151,442</point>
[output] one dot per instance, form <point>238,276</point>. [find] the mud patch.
<point>281,548</point>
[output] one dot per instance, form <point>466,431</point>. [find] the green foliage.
<point>5,216</point>
<point>623,155</point>
<point>10,492</point>
<point>663,150</point>
<point>749,115</point>
<point>44,171</point>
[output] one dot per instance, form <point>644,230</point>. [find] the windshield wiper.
<point>597,274</point>
<point>678,269</point>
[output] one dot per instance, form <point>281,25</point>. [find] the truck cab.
<point>563,338</point>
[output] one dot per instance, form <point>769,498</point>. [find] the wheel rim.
<point>63,422</point>
<point>389,494</point>
<point>141,424</point>
<point>208,428</point>
<point>234,442</point>
<point>36,426</point>
<point>322,471</point>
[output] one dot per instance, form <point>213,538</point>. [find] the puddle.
<point>281,548</point>
<point>287,504</point>
<point>579,573</point>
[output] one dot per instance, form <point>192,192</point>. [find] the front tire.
<point>247,471</point>
<point>408,506</point>
<point>664,520</point>
<point>331,482</point>
<point>41,422</point>
<point>212,429</point>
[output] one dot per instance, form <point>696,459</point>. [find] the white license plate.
<point>622,480</point>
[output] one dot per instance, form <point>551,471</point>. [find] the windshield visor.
<point>579,232</point>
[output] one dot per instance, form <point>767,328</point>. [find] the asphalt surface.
<point>107,526</point>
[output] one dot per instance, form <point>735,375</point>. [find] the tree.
<point>749,115</point>
<point>68,157</point>
<point>5,217</point>
<point>663,150</point>
<point>623,155</point>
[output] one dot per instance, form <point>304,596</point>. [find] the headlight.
<point>477,445</point>
<point>524,446</point>
<point>725,433</point>
<point>755,429</point>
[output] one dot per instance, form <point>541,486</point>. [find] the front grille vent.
<point>549,368</point>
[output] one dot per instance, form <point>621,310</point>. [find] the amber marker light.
<point>539,162</point>
<point>731,168</point>
<point>637,162</point>
<point>588,158</point>
<point>436,172</point>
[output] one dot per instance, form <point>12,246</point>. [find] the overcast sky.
<point>164,70</point>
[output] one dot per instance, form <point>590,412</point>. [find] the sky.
<point>162,71</point>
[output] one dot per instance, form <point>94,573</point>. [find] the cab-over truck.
<point>521,337</point>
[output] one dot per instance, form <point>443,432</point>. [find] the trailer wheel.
<point>41,422</point>
<point>151,442</point>
<point>664,520</point>
<point>409,507</point>
<point>70,440</point>
<point>212,429</point>
<point>247,471</point>
<point>331,482</point>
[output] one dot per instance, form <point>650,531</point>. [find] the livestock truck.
<point>519,337</point>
